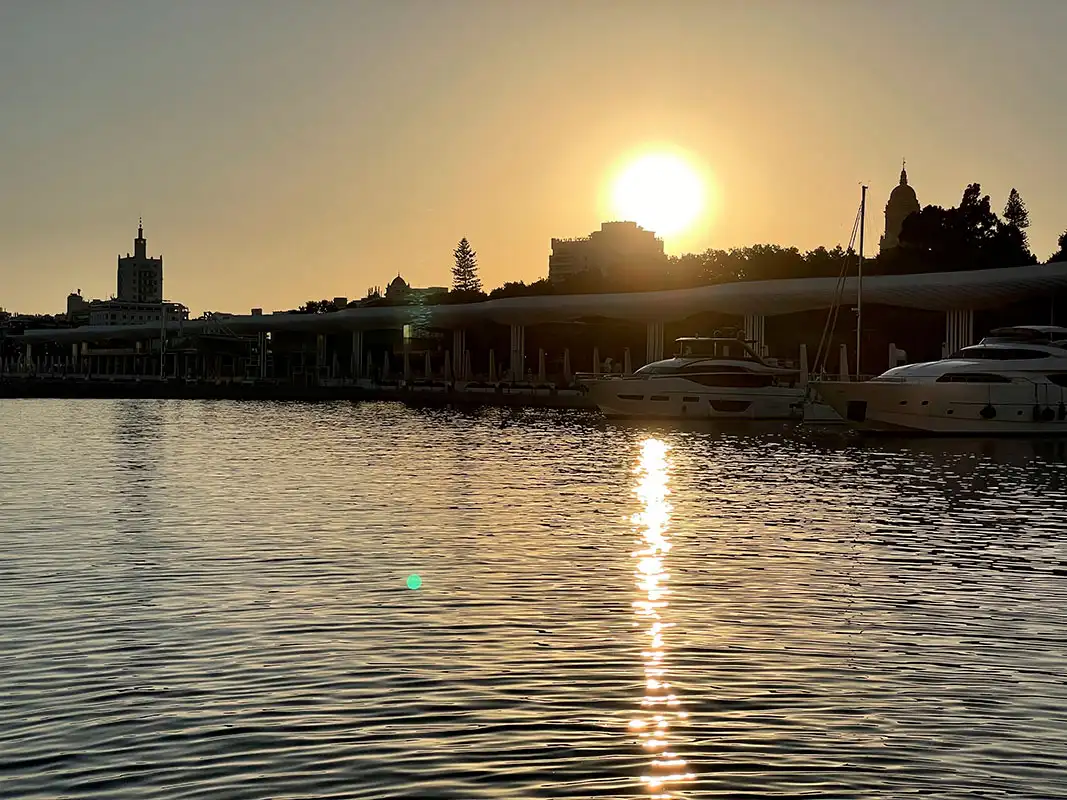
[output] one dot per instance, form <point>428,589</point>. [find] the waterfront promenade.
<point>349,351</point>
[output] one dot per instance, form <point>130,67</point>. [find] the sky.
<point>283,150</point>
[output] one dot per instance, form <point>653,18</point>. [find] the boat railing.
<point>601,376</point>
<point>827,377</point>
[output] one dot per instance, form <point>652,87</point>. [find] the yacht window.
<point>737,380</point>
<point>973,377</point>
<point>703,368</point>
<point>999,353</point>
<point>1059,378</point>
<point>659,397</point>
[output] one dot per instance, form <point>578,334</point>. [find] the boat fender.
<point>1047,414</point>
<point>988,412</point>
<point>1037,413</point>
<point>1061,412</point>
<point>683,408</point>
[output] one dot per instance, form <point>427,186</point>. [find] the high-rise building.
<point>617,249</point>
<point>902,203</point>
<point>139,296</point>
<point>140,278</point>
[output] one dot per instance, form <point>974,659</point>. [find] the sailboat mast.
<point>859,280</point>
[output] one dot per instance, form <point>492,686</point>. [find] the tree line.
<point>968,236</point>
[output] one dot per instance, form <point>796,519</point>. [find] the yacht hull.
<point>949,409</point>
<point>678,398</point>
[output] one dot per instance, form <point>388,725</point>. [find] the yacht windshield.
<point>652,369</point>
<point>715,348</point>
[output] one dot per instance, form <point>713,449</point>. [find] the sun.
<point>660,192</point>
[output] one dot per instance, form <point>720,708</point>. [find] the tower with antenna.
<point>140,277</point>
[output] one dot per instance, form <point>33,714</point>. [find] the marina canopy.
<point>935,291</point>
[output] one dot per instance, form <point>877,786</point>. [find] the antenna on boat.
<point>859,279</point>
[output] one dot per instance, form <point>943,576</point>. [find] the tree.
<point>969,236</point>
<point>465,271</point>
<point>1015,213</point>
<point>522,289</point>
<point>1061,254</point>
<point>316,307</point>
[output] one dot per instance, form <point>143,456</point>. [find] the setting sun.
<point>660,192</point>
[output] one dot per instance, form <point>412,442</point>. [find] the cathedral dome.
<point>397,286</point>
<point>903,195</point>
<point>903,202</point>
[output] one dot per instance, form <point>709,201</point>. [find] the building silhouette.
<point>617,249</point>
<point>138,296</point>
<point>398,288</point>
<point>902,202</point>
<point>140,278</point>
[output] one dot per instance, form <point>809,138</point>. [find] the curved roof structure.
<point>936,291</point>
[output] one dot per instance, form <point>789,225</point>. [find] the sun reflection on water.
<point>659,706</point>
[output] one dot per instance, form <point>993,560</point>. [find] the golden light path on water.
<point>660,706</point>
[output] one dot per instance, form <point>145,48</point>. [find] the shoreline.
<point>502,395</point>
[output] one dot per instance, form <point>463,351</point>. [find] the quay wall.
<point>500,395</point>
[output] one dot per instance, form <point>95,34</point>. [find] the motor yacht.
<point>710,377</point>
<point>1014,381</point>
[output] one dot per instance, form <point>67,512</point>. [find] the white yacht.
<point>710,378</point>
<point>1013,381</point>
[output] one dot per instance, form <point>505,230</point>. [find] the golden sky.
<point>287,150</point>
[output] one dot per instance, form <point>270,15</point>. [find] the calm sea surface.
<point>210,600</point>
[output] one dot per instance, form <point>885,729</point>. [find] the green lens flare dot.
<point>414,581</point>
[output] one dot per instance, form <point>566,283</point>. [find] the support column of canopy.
<point>407,333</point>
<point>843,362</point>
<point>355,366</point>
<point>518,351</point>
<point>321,364</point>
<point>459,347</point>
<point>261,343</point>
<point>959,330</point>
<point>653,342</point>
<point>755,331</point>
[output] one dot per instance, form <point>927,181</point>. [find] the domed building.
<point>902,202</point>
<point>397,288</point>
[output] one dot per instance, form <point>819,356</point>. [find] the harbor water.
<point>211,599</point>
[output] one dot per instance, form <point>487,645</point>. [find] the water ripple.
<point>204,600</point>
